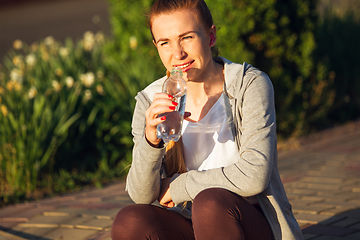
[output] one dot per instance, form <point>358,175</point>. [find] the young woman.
<point>220,180</point>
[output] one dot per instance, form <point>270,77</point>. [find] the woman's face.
<point>182,41</point>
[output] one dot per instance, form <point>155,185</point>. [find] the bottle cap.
<point>176,70</point>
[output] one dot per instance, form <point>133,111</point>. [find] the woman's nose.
<point>178,52</point>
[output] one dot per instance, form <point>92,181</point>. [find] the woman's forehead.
<point>175,23</point>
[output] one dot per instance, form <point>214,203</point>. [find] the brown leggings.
<point>216,214</point>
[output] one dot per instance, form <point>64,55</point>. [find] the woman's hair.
<point>167,6</point>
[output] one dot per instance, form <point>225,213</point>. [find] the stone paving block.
<point>347,222</point>
<point>333,238</point>
<point>309,209</point>
<point>321,179</point>
<point>333,220</point>
<point>328,230</point>
<point>101,223</point>
<point>313,198</point>
<point>35,232</point>
<point>49,219</point>
<point>8,236</point>
<point>10,211</point>
<point>8,224</point>
<point>78,220</point>
<point>319,186</point>
<point>309,218</point>
<point>69,234</point>
<point>305,192</point>
<point>102,235</point>
<point>98,205</point>
<point>357,226</point>
<point>337,210</point>
<point>310,236</point>
<point>353,214</point>
<point>355,235</point>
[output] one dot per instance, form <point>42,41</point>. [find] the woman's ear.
<point>212,36</point>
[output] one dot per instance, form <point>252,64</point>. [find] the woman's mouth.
<point>185,67</point>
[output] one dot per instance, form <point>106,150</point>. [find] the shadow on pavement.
<point>22,234</point>
<point>343,225</point>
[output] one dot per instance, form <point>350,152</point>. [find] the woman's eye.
<point>187,37</point>
<point>164,43</point>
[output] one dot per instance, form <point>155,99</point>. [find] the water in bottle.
<point>175,86</point>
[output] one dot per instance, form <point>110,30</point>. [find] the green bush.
<point>65,116</point>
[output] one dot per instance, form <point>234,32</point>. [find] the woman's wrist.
<point>156,144</point>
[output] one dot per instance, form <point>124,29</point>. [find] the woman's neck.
<point>202,95</point>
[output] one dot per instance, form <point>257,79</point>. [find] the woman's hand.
<point>165,198</point>
<point>162,103</point>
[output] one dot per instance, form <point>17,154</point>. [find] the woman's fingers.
<point>155,114</point>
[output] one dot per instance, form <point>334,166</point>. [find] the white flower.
<point>69,82</point>
<point>133,42</point>
<point>49,41</point>
<point>88,41</point>
<point>17,44</point>
<point>32,92</point>
<point>30,60</point>
<point>16,75</point>
<point>64,52</point>
<point>87,95</point>
<point>87,79</point>
<point>56,85</point>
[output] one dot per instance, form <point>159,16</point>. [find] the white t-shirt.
<point>209,142</point>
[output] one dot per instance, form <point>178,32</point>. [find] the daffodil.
<point>69,82</point>
<point>49,41</point>
<point>32,92</point>
<point>87,79</point>
<point>17,61</point>
<point>4,110</point>
<point>17,44</point>
<point>88,41</point>
<point>10,85</point>
<point>56,85</point>
<point>30,60</point>
<point>87,96</point>
<point>64,52</point>
<point>100,89</point>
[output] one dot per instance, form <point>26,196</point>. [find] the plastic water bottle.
<point>175,86</point>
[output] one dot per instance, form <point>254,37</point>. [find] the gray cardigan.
<point>249,100</point>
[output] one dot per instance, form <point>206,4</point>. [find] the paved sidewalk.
<point>321,177</point>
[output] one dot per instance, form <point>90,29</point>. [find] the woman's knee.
<point>129,220</point>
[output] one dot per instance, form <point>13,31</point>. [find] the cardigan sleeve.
<point>255,116</point>
<point>143,179</point>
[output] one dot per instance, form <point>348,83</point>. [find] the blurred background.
<point>69,71</point>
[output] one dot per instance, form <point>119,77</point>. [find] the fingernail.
<point>174,103</point>
<point>163,118</point>
<point>172,107</point>
<point>170,96</point>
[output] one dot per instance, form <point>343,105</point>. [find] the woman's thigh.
<point>220,214</point>
<point>140,221</point>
